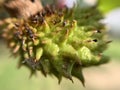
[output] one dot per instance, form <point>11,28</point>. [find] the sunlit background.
<point>103,77</point>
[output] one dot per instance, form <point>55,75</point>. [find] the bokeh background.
<point>103,77</point>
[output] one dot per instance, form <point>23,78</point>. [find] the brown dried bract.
<point>22,8</point>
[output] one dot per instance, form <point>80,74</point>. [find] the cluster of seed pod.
<point>56,45</point>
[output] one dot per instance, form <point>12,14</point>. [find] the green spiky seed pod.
<point>58,45</point>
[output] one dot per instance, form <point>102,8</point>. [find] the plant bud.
<point>55,44</point>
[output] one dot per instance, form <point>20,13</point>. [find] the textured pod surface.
<point>58,43</point>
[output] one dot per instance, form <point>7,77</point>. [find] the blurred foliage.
<point>113,50</point>
<point>104,5</point>
<point>107,5</point>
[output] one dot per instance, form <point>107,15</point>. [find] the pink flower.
<point>66,3</point>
